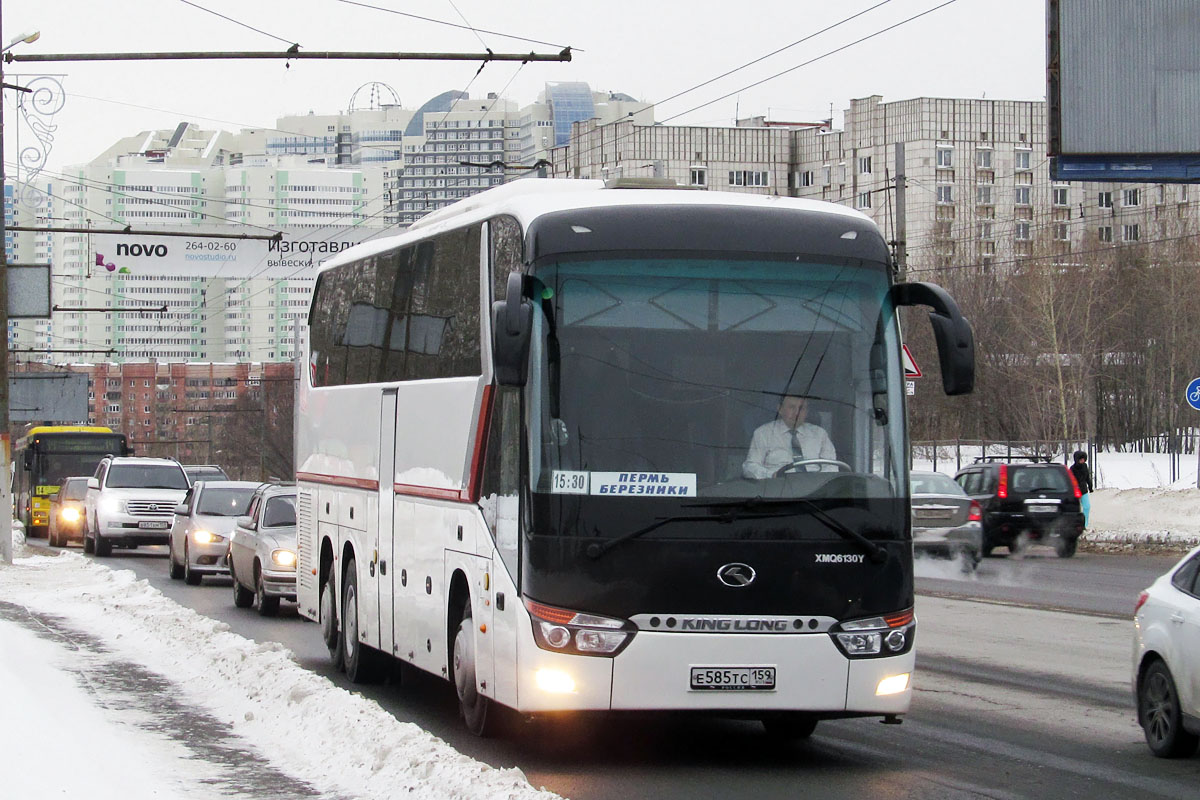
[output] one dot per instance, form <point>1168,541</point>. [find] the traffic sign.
<point>911,370</point>
<point>1193,394</point>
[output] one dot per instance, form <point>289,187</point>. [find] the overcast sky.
<point>651,49</point>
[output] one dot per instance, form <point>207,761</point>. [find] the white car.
<point>262,550</point>
<point>1166,660</point>
<point>204,522</point>
<point>131,501</point>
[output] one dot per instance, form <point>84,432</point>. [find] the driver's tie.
<point>797,450</point>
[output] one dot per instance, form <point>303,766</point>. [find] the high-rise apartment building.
<point>977,186</point>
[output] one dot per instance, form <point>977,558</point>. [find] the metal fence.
<point>963,452</point>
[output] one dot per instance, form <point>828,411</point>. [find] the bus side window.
<point>443,323</point>
<point>501,487</point>
<point>395,287</point>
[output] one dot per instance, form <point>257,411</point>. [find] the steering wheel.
<point>796,464</point>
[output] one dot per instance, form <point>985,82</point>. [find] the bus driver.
<point>788,438</point>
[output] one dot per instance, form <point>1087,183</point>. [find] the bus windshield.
<point>712,378</point>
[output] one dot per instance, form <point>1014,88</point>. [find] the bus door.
<point>386,574</point>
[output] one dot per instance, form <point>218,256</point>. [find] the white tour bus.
<point>525,462</point>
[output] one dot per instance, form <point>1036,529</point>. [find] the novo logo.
<point>840,558</point>
<point>156,250</point>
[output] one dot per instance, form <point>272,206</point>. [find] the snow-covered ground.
<point>72,629</point>
<point>61,737</point>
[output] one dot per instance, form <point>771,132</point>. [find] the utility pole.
<point>901,226</point>
<point>6,501</point>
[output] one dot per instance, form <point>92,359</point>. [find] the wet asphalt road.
<point>998,727</point>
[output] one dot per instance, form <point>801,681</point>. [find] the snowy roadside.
<point>1163,519</point>
<point>334,740</point>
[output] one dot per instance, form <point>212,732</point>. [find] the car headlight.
<point>201,536</point>
<point>69,514</point>
<point>283,558</point>
<point>110,505</point>
<point>873,637</point>
<point>565,631</point>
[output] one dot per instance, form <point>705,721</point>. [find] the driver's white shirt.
<point>771,448</point>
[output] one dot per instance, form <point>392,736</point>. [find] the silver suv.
<point>131,501</point>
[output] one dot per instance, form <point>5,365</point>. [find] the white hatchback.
<point>1166,660</point>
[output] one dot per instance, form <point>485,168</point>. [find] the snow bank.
<point>1145,516</point>
<point>333,739</point>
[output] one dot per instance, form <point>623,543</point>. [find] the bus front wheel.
<point>793,725</point>
<point>479,712</point>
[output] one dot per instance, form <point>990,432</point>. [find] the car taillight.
<point>976,512</point>
<point>1141,601</point>
<point>1074,484</point>
<point>1002,492</point>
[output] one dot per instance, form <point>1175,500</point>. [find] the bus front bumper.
<point>654,673</point>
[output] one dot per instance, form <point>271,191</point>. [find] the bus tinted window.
<point>443,323</point>
<point>409,314</point>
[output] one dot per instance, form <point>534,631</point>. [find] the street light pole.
<point>6,502</point>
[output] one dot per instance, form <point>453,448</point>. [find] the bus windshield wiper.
<point>876,553</point>
<point>733,514</point>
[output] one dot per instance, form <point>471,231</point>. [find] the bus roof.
<point>41,429</point>
<point>530,198</point>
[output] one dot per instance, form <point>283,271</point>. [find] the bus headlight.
<point>70,514</point>
<point>283,558</point>
<point>873,637</point>
<point>893,684</point>
<point>565,631</point>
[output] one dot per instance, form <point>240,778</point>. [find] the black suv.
<point>1024,495</point>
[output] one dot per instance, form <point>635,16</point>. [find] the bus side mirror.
<point>512,323</point>
<point>27,460</point>
<point>955,339</point>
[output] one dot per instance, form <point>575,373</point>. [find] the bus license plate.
<point>154,525</point>
<point>733,678</point>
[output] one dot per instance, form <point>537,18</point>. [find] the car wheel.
<point>1065,546</point>
<point>796,725</point>
<point>89,544</point>
<point>52,537</point>
<point>968,560</point>
<point>267,606</point>
<point>1160,715</point>
<point>103,546</point>
<point>329,624</point>
<point>190,576</point>
<point>173,567</point>
<point>242,597</point>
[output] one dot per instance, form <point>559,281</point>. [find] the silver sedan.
<point>945,521</point>
<point>262,550</point>
<point>203,524</point>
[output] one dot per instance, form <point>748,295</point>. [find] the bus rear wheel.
<point>362,662</point>
<point>330,631</point>
<point>479,712</point>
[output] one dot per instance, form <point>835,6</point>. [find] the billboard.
<point>48,396</point>
<point>297,253</point>
<point>1123,87</point>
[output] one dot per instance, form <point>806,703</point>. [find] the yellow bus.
<point>49,453</point>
